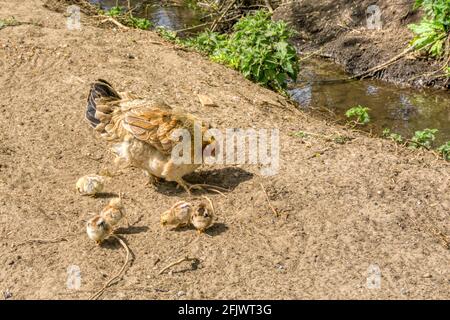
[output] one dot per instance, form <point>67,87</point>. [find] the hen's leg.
<point>152,180</point>
<point>184,185</point>
<point>187,186</point>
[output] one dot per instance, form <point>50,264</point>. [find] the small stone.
<point>427,275</point>
<point>206,101</point>
<point>181,293</point>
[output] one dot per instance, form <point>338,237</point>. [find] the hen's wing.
<point>155,125</point>
<point>102,101</point>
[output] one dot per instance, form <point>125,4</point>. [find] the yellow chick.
<point>113,212</point>
<point>178,215</point>
<point>90,185</point>
<point>98,229</point>
<point>202,218</point>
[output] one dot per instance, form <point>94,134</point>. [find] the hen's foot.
<point>200,186</point>
<point>208,187</point>
<point>153,181</point>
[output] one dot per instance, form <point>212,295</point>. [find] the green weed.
<point>423,139</point>
<point>444,150</point>
<point>359,114</point>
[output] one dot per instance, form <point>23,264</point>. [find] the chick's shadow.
<point>216,229</point>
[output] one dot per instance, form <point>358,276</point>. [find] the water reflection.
<point>174,15</point>
<point>403,110</point>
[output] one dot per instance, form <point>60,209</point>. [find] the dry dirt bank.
<point>356,204</point>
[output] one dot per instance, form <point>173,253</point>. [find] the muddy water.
<point>403,110</point>
<point>174,15</point>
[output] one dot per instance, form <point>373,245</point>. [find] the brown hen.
<point>143,132</point>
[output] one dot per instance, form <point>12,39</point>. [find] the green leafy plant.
<point>139,23</point>
<point>127,18</point>
<point>432,31</point>
<point>423,139</point>
<point>444,150</point>
<point>359,114</point>
<point>114,12</point>
<point>392,136</point>
<point>258,47</point>
<point>167,34</point>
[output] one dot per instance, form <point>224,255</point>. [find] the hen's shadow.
<point>226,178</point>
<point>216,229</point>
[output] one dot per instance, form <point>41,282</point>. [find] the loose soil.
<point>343,205</point>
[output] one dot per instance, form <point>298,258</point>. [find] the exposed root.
<point>97,295</point>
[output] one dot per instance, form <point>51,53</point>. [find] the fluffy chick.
<point>113,212</point>
<point>98,229</point>
<point>202,218</point>
<point>178,215</point>
<point>90,185</point>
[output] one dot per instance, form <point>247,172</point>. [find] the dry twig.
<point>97,295</point>
<point>268,201</point>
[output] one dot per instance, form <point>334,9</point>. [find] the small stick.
<point>186,258</point>
<point>268,5</point>
<point>216,22</point>
<point>310,55</point>
<point>117,23</point>
<point>97,295</point>
<point>268,201</point>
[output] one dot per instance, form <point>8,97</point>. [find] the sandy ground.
<point>343,207</point>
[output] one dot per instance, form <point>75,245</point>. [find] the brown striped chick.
<point>98,229</point>
<point>202,218</point>
<point>114,212</point>
<point>178,215</point>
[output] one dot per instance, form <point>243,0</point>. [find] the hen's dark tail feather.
<point>99,89</point>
